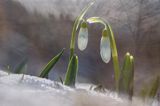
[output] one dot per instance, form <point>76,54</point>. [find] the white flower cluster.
<point>105,50</point>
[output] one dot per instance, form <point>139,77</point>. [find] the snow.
<point>25,90</point>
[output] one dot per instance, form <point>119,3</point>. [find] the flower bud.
<point>83,36</point>
<point>105,50</point>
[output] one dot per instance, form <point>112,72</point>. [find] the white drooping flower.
<point>83,36</point>
<point>105,50</point>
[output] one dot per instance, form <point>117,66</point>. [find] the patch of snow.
<point>19,90</point>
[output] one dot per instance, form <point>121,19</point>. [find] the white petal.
<point>83,38</point>
<point>105,49</point>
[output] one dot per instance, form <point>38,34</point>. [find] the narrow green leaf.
<point>149,93</point>
<point>154,87</point>
<point>21,67</point>
<point>72,72</point>
<point>131,80</point>
<point>50,65</point>
<point>143,92</point>
<point>124,77</point>
<point>126,83</point>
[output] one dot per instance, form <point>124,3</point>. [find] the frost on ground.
<point>19,90</point>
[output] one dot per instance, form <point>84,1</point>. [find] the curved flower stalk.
<point>105,50</point>
<point>83,36</point>
<point>75,27</point>
<point>112,45</point>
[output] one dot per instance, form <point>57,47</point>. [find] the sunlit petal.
<point>105,50</point>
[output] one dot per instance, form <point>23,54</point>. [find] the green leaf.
<point>131,80</point>
<point>124,77</point>
<point>72,72</point>
<point>126,83</point>
<point>21,67</point>
<point>154,87</point>
<point>148,93</point>
<point>50,65</point>
<point>143,92</point>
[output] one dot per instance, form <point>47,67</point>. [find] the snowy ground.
<point>16,90</point>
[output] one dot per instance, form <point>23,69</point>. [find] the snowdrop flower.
<point>105,50</point>
<point>83,36</point>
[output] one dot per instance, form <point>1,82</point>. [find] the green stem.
<point>113,47</point>
<point>114,57</point>
<point>72,44</point>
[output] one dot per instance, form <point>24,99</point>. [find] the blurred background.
<point>37,30</point>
